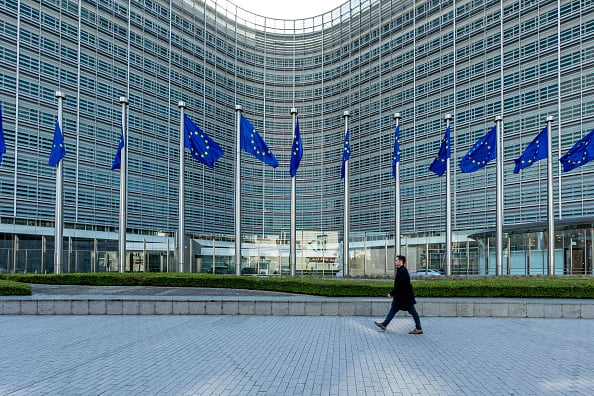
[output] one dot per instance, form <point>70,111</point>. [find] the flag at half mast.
<point>439,164</point>
<point>296,150</point>
<point>396,153</point>
<point>483,151</point>
<point>535,151</point>
<point>346,153</point>
<point>252,143</point>
<point>117,160</point>
<point>580,154</point>
<point>201,146</point>
<point>58,149</point>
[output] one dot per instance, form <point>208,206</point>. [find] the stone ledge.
<point>574,309</point>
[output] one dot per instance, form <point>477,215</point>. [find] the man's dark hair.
<point>401,258</point>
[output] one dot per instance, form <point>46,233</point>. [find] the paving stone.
<point>114,307</point>
<point>97,307</point>
<point>214,307</point>
<point>130,307</point>
<point>464,309</point>
<point>571,311</point>
<point>587,311</point>
<point>297,308</point>
<point>313,308</point>
<point>330,308</point>
<point>483,309</point>
<point>146,307</point>
<point>347,308</point>
<point>500,309</point>
<point>163,307</point>
<point>80,307</point>
<point>197,307</point>
<point>45,307</point>
<point>535,310</point>
<point>364,308</point>
<point>280,308</point>
<point>262,307</point>
<point>380,307</point>
<point>63,307</point>
<point>181,307</point>
<point>553,311</point>
<point>28,307</point>
<point>448,309</point>
<point>516,310</point>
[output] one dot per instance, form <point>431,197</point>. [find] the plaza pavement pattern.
<point>293,355</point>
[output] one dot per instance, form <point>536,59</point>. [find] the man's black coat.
<point>403,291</point>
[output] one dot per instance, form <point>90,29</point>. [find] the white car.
<point>426,272</point>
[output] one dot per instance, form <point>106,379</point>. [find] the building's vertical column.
<point>69,255</point>
<point>43,249</point>
<point>15,252</point>
<point>94,260</point>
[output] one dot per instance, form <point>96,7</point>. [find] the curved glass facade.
<point>475,59</point>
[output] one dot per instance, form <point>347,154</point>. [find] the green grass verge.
<point>12,288</point>
<point>524,287</point>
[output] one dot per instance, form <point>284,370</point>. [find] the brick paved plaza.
<point>293,355</point>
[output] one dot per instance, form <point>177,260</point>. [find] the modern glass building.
<point>523,60</point>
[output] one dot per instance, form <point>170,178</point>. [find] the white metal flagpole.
<point>397,117</point>
<point>448,252</point>
<point>123,221</point>
<point>550,209</point>
<point>59,216</point>
<point>238,110</point>
<point>499,197</point>
<point>345,239</point>
<point>181,233</point>
<point>293,252</point>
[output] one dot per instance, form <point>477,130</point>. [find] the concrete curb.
<point>306,306</point>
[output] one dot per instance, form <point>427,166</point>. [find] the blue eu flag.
<point>581,153</point>
<point>536,150</point>
<point>58,149</point>
<point>296,150</point>
<point>483,151</point>
<point>2,143</point>
<point>252,143</point>
<point>117,160</point>
<point>346,153</point>
<point>440,162</point>
<point>396,153</point>
<point>201,146</point>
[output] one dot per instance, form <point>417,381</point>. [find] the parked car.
<point>219,269</point>
<point>426,272</point>
<point>248,271</point>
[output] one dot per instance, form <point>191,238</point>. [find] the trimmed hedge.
<point>525,287</point>
<point>11,288</point>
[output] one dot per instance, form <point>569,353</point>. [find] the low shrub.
<point>11,288</point>
<point>519,287</point>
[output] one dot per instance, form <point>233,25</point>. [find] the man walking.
<point>403,298</point>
